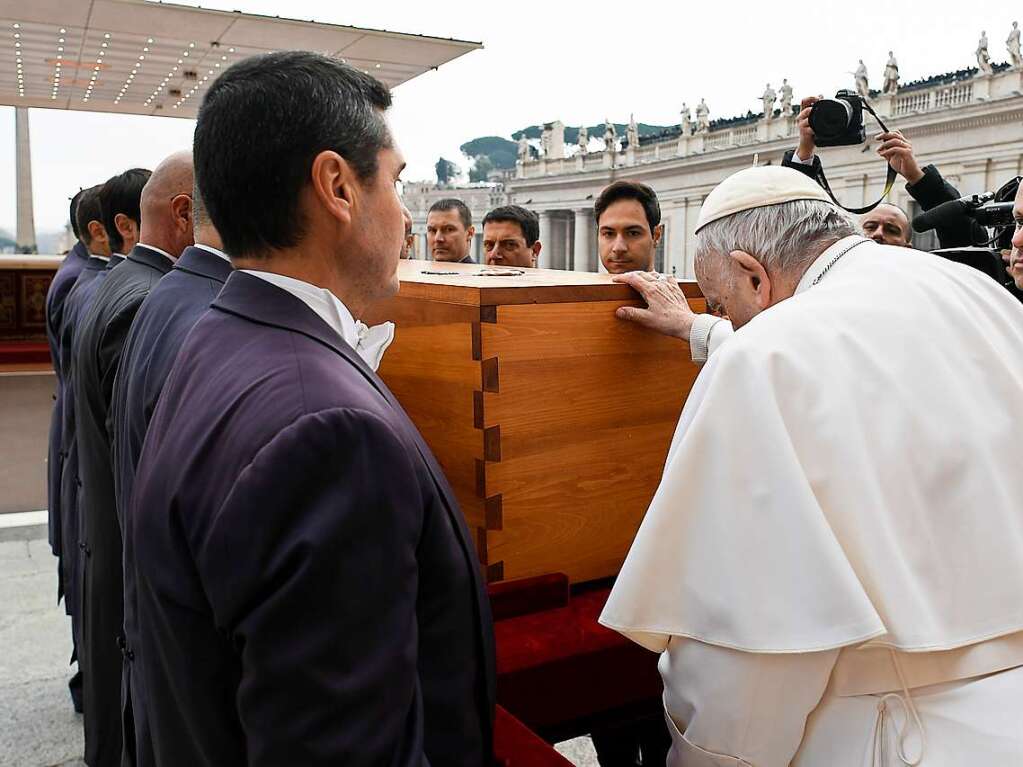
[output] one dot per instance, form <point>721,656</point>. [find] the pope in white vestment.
<point>832,566</point>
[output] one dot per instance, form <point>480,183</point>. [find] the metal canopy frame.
<point>154,58</point>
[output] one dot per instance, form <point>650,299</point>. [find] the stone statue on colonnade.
<point>769,98</point>
<point>785,97</point>
<point>862,85</point>
<point>891,75</point>
<point>983,56</point>
<point>702,117</point>
<point>1012,44</point>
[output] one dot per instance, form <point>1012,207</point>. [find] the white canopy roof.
<point>150,58</point>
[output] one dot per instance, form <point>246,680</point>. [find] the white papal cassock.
<point>832,566</point>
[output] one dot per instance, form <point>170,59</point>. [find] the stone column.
<point>584,251</point>
<point>675,246</point>
<point>25,239</point>
<point>545,261</point>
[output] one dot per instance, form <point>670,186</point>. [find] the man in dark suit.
<point>165,230</point>
<point>449,231</point>
<point>307,591</point>
<point>156,335</point>
<point>62,283</point>
<point>62,299</point>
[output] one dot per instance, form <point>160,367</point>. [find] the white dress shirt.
<point>173,259</point>
<point>369,342</point>
<point>220,254</point>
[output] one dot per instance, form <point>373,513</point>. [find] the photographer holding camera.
<point>888,224</point>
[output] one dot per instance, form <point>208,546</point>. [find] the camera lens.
<point>830,118</point>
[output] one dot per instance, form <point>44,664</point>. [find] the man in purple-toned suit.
<point>306,588</point>
<point>157,333</point>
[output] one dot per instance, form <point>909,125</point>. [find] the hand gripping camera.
<point>838,121</point>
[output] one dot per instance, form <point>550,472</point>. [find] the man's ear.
<point>181,208</point>
<point>470,233</point>
<point>658,233</point>
<point>127,227</point>
<point>334,186</point>
<point>97,232</point>
<point>753,273</point>
<point>536,251</point>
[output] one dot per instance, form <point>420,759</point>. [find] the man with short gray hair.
<point>832,566</point>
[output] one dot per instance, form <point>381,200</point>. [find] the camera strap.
<point>889,182</point>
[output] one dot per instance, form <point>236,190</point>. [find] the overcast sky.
<point>578,62</point>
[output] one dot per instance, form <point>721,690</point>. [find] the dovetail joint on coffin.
<point>489,373</point>
<point>495,572</point>
<point>493,512</point>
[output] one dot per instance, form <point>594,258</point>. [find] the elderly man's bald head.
<point>167,205</point>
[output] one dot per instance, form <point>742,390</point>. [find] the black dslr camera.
<point>838,121</point>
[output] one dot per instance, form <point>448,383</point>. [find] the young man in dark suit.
<point>160,327</point>
<point>165,230</point>
<point>61,285</point>
<point>307,591</point>
<point>87,259</point>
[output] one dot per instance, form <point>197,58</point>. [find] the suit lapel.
<point>202,263</point>
<point>140,254</point>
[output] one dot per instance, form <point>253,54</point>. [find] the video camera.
<point>982,208</point>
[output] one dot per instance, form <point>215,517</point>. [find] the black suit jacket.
<point>60,287</point>
<point>930,191</point>
<point>308,593</point>
<point>157,333</point>
<point>75,305</point>
<point>97,353</point>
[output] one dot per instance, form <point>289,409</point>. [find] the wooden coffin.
<point>551,417</point>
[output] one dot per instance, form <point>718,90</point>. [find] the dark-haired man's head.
<point>629,227</point>
<point>511,236</point>
<point>122,215</point>
<point>73,215</point>
<point>166,205</point>
<point>89,217</point>
<point>449,230</point>
<point>203,230</point>
<point>887,224</point>
<point>298,171</point>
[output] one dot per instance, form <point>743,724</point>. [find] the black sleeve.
<point>311,570</point>
<point>811,169</point>
<point>932,190</point>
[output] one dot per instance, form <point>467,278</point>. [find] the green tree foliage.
<point>482,167</point>
<point>501,152</point>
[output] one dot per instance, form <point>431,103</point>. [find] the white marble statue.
<point>702,117</point>
<point>545,142</point>
<point>632,133</point>
<point>891,75</point>
<point>610,137</point>
<point>584,140</point>
<point>785,98</point>
<point>983,56</point>
<point>1012,43</point>
<point>523,148</point>
<point>686,123</point>
<point>769,98</point>
<point>862,86</point>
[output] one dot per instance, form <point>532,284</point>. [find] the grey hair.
<point>782,237</point>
